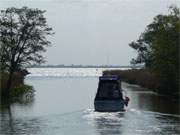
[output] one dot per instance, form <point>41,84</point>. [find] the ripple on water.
<point>134,122</point>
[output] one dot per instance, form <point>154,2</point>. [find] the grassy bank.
<point>145,79</point>
<point>18,86</point>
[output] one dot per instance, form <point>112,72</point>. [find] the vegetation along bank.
<point>23,34</point>
<point>158,50</point>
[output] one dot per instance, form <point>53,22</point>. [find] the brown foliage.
<point>140,77</point>
<point>18,78</point>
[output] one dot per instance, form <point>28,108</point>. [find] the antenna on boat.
<point>107,59</point>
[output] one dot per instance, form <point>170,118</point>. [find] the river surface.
<point>63,105</point>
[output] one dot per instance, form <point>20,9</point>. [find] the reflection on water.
<point>60,108</point>
<point>68,72</point>
<point>145,99</point>
<point>12,126</point>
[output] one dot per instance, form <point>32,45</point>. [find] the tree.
<point>23,34</point>
<point>158,48</point>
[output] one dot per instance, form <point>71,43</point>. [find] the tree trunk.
<point>8,84</point>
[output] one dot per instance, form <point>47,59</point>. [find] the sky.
<point>94,32</point>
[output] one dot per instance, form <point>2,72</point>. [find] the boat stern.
<point>109,105</point>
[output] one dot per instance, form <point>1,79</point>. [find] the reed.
<point>144,78</point>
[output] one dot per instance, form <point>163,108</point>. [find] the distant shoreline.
<point>84,66</point>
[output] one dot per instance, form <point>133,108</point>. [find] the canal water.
<point>63,105</point>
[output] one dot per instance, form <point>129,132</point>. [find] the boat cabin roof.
<point>109,78</point>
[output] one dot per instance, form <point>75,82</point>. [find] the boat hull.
<point>109,105</point>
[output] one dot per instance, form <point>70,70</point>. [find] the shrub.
<point>21,89</point>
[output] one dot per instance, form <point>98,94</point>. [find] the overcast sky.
<point>94,31</point>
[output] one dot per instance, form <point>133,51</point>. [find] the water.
<point>63,105</point>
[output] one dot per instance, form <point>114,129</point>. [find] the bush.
<point>21,89</point>
<point>18,88</point>
<point>17,80</point>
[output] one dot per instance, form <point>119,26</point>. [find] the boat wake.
<point>90,114</point>
<point>153,113</point>
<point>133,121</point>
